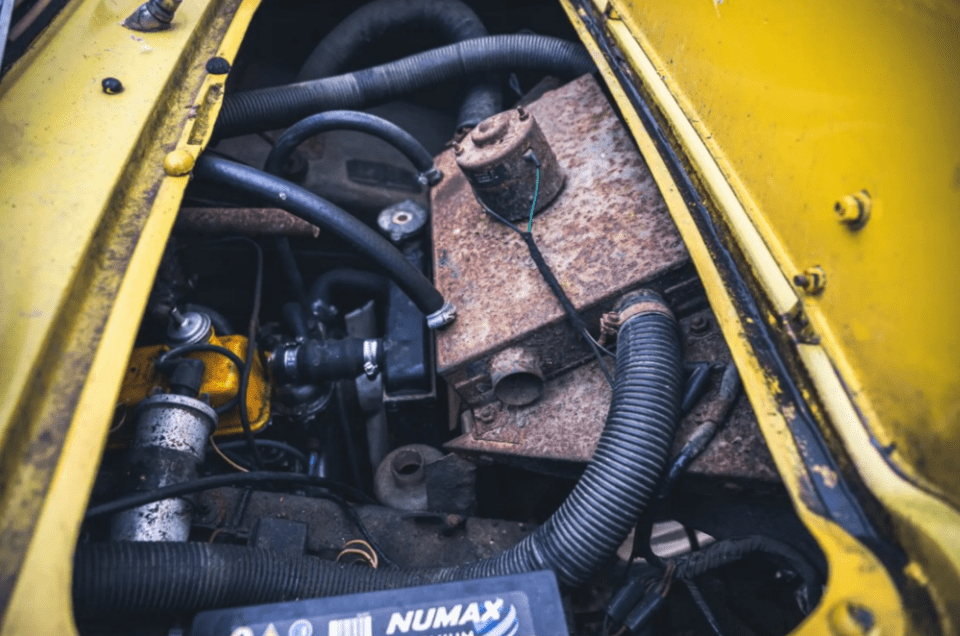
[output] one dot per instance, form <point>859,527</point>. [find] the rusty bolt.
<point>854,209</point>
<point>487,413</point>
<point>813,280</point>
<point>700,324</point>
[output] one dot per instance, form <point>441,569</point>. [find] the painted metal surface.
<point>221,381</point>
<point>797,377</point>
<point>803,109</point>
<point>88,189</point>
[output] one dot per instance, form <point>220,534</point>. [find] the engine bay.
<point>447,334</point>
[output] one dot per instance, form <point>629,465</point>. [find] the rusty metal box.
<point>607,232</point>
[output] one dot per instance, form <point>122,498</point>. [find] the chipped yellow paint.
<point>85,188</point>
<point>926,527</point>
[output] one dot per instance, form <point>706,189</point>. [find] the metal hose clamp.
<point>443,316</point>
<point>430,177</point>
<point>370,366</point>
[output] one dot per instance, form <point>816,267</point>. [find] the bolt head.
<point>853,210</point>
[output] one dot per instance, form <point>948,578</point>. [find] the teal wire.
<point>533,206</point>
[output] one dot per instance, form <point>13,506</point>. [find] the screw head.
<point>812,280</point>
<point>854,209</point>
<point>112,86</point>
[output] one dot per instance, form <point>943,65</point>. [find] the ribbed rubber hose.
<point>277,192</point>
<point>270,108</point>
<point>119,578</point>
<point>356,121</point>
<point>452,20</point>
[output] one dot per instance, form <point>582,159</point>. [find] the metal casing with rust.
<point>606,233</point>
<point>500,159</point>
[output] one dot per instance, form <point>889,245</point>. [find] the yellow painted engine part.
<point>221,381</point>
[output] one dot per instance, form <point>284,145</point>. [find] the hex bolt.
<point>700,325</point>
<point>813,280</point>
<point>854,209</point>
<point>522,112</point>
<point>457,148</point>
<point>487,413</point>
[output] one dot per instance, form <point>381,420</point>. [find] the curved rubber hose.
<point>452,20</point>
<point>357,121</point>
<point>271,108</point>
<point>313,209</point>
<point>117,578</point>
<point>357,283</point>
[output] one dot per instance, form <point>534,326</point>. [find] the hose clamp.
<point>290,362</point>
<point>430,177</point>
<point>443,316</point>
<point>370,366</point>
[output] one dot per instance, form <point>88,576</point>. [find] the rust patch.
<point>607,232</point>
<point>566,423</point>
<point>245,221</point>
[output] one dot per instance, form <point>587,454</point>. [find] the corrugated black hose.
<point>123,578</point>
<point>271,108</point>
<point>452,20</point>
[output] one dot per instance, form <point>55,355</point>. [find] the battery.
<point>516,605</point>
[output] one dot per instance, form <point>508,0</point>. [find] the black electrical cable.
<point>137,499</point>
<point>268,443</point>
<point>572,315</point>
<point>702,605</point>
<point>195,348</point>
<point>247,368</point>
<point>260,477</point>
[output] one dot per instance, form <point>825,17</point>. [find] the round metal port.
<point>516,376</point>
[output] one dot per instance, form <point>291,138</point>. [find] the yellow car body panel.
<point>91,185</point>
<point>781,114</point>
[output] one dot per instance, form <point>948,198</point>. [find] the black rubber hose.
<point>271,108</point>
<point>328,217</point>
<point>118,578</point>
<point>331,286</point>
<point>452,20</point>
<point>359,122</point>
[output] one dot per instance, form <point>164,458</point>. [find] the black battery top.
<point>516,605</point>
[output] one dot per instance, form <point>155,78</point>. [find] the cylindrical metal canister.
<point>168,447</point>
<point>501,158</point>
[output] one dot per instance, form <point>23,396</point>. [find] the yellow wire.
<point>225,458</point>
